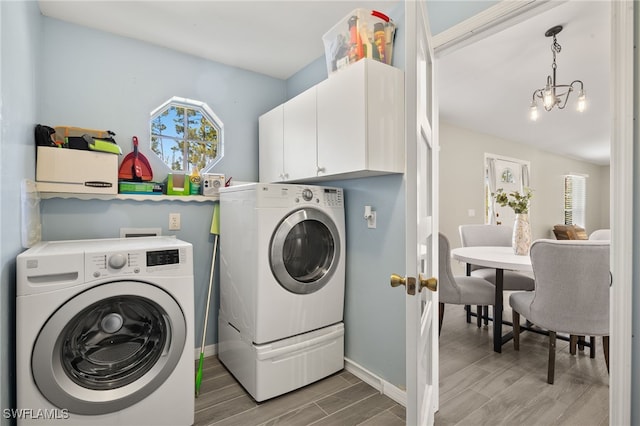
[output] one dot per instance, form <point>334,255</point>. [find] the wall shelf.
<point>134,197</point>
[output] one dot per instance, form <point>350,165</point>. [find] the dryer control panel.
<point>318,195</point>
<point>279,195</point>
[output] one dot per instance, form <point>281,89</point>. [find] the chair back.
<point>571,286</point>
<point>447,286</point>
<point>601,234</point>
<point>485,235</point>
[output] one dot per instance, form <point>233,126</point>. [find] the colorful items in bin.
<point>102,145</point>
<point>362,34</point>
<point>77,138</point>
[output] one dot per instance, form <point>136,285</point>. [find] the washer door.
<point>304,251</point>
<point>108,347</point>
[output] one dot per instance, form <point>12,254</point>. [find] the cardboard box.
<point>76,171</point>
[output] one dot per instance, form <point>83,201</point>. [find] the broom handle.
<point>206,312</point>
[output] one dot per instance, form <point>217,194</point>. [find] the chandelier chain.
<point>555,48</point>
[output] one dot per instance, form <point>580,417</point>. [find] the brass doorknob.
<point>408,282</point>
<point>397,280</point>
<point>430,283</point>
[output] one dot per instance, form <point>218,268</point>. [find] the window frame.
<point>206,111</point>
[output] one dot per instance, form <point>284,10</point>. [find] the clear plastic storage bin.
<point>361,34</point>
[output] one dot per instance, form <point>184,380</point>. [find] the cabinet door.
<point>341,121</point>
<point>300,136</point>
<point>270,137</point>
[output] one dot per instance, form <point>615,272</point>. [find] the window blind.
<point>575,200</point>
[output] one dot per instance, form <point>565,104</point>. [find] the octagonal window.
<point>186,134</point>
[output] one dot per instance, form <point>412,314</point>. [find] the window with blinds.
<point>575,200</point>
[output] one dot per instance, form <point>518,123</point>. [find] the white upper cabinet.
<point>300,136</point>
<point>361,121</point>
<point>350,125</point>
<point>271,153</point>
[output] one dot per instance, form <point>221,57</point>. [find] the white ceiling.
<point>485,86</point>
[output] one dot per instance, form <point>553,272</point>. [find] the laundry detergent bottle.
<point>194,182</point>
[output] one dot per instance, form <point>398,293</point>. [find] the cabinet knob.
<point>321,169</point>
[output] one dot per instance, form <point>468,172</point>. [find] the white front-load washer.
<point>104,332</point>
<point>282,251</point>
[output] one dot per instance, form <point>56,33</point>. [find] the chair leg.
<point>605,348</point>
<point>581,343</point>
<point>552,357</point>
<point>573,341</point>
<point>479,316</point>
<point>592,346</point>
<point>441,316</point>
<point>516,330</point>
<point>467,308</point>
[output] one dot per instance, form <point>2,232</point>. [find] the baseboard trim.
<point>209,350</point>
<point>376,382</point>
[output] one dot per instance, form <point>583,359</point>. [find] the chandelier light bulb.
<point>582,101</point>
<point>533,111</point>
<point>548,99</point>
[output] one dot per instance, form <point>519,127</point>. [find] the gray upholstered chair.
<point>601,234</point>
<point>571,294</point>
<point>459,290</point>
<point>494,236</point>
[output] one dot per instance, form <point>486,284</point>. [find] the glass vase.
<point>521,234</point>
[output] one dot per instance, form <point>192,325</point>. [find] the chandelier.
<point>556,95</point>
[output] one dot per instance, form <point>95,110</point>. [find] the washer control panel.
<point>132,263</point>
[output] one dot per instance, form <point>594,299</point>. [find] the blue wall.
<point>103,81</point>
<point>19,42</point>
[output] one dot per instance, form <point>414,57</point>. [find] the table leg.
<point>467,308</point>
<point>497,314</point>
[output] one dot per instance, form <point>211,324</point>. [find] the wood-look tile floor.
<point>340,399</point>
<point>477,387</point>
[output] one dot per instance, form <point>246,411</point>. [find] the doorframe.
<point>506,14</point>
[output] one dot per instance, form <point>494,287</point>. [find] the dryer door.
<point>108,347</point>
<point>305,251</point>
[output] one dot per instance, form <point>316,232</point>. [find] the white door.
<point>421,220</point>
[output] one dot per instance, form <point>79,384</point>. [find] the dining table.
<point>500,259</point>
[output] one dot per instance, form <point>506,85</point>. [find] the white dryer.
<point>282,251</point>
<point>104,332</point>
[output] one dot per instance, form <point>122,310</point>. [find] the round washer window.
<point>109,347</point>
<point>113,342</point>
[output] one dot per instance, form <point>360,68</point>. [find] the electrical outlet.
<point>174,221</point>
